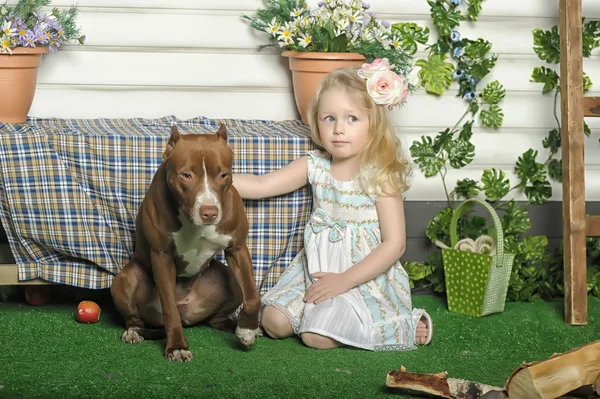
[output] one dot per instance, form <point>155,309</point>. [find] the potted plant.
<point>334,34</point>
<point>26,33</point>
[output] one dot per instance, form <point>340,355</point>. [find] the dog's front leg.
<point>240,263</point>
<point>163,269</point>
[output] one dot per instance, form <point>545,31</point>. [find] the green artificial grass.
<point>45,353</point>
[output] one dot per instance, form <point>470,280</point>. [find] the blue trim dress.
<point>342,230</point>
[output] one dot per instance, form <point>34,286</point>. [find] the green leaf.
<point>591,32</point>
<point>516,219</point>
<point>495,184</point>
<point>460,153</point>
<point>444,19</point>
<point>492,116</point>
<point>477,49</point>
<point>472,228</point>
<point>438,228</point>
<point>547,76</point>
<point>474,106</point>
<point>435,74</point>
<point>417,271</point>
<point>552,141</point>
<point>474,9</point>
<point>411,34</point>
<point>555,170</point>
<point>528,169</point>
<point>466,188</point>
<point>535,248</point>
<point>482,68</point>
<point>467,131</point>
<point>538,193</point>
<point>493,92</point>
<point>424,155</point>
<point>587,83</point>
<point>442,140</point>
<point>546,44</point>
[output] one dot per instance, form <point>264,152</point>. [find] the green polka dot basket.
<point>476,283</point>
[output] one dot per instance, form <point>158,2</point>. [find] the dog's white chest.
<point>197,244</point>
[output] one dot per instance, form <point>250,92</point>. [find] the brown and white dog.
<point>190,212</point>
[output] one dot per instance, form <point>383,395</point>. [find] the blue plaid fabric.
<point>70,190</point>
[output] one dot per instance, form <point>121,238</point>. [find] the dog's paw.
<point>131,336</point>
<point>179,355</point>
<point>246,336</point>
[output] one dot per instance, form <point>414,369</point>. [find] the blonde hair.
<point>383,165</point>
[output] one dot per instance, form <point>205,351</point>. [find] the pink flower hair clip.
<point>384,85</point>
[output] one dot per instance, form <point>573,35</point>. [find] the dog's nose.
<point>208,213</point>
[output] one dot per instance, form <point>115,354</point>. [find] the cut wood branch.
<point>557,375</point>
<point>438,385</point>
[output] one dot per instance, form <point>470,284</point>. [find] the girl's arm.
<point>390,211</point>
<point>285,180</point>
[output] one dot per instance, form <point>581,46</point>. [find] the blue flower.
<point>457,2</point>
<point>455,35</point>
<point>459,52</point>
<point>469,95</point>
<point>468,78</point>
<point>458,74</point>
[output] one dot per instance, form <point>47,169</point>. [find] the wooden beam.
<point>592,226</point>
<point>591,106</point>
<point>574,230</point>
<point>9,275</point>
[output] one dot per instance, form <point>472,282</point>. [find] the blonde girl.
<point>347,286</point>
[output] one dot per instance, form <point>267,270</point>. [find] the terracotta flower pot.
<point>18,78</point>
<point>309,69</point>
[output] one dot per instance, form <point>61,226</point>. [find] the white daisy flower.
<point>296,13</point>
<point>7,30</point>
<point>273,27</point>
<point>396,41</point>
<point>5,45</point>
<point>305,40</point>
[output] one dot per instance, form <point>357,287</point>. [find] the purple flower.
<point>321,4</point>
<point>19,23</point>
<point>365,5</point>
<point>40,36</point>
<point>455,35</point>
<point>29,39</point>
<point>54,45</point>
<point>386,24</point>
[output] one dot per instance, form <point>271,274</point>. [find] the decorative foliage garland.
<point>536,271</point>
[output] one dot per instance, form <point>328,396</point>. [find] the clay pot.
<point>309,69</point>
<point>18,78</point>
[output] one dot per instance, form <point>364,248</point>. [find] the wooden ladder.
<point>574,106</point>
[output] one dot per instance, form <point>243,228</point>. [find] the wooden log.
<point>573,172</point>
<point>557,375</point>
<point>439,385</point>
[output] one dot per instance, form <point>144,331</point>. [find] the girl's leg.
<point>275,324</point>
<point>318,341</point>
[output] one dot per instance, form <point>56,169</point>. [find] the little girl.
<point>347,286</point>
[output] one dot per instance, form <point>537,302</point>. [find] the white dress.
<point>342,230</point>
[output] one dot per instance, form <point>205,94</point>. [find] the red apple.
<point>88,312</point>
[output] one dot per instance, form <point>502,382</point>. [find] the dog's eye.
<point>224,175</point>
<point>186,176</point>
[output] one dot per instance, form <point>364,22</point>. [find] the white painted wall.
<point>151,58</point>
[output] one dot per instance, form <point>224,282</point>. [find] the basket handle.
<point>459,211</point>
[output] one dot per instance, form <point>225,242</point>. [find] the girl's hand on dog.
<point>327,285</point>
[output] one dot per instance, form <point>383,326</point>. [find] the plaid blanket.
<point>70,192</point>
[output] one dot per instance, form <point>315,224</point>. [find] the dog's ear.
<point>222,132</point>
<point>175,136</point>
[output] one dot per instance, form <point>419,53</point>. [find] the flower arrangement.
<point>333,26</point>
<point>26,25</point>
